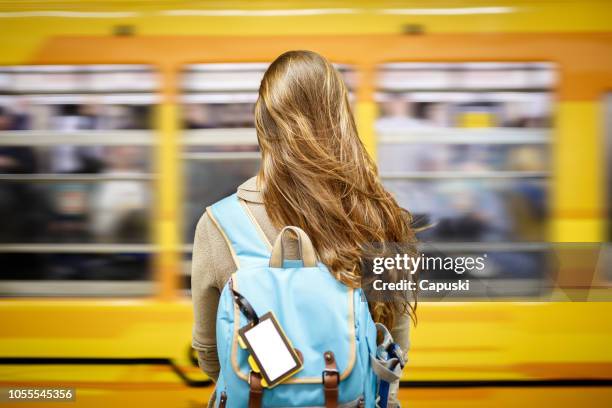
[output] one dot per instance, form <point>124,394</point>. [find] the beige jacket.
<point>212,267</point>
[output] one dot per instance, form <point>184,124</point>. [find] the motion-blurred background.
<point>120,121</point>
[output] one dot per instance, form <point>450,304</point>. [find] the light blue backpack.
<point>328,322</point>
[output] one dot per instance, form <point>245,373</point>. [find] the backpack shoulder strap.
<point>246,240</point>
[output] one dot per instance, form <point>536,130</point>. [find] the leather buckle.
<point>333,372</point>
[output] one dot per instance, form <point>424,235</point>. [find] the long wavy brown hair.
<point>316,173</point>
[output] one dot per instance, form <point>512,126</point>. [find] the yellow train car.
<point>153,100</point>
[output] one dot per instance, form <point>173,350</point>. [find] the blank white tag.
<point>271,350</point>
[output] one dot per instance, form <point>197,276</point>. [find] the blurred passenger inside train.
<point>119,207</point>
<point>217,115</point>
<point>400,113</point>
<point>15,159</point>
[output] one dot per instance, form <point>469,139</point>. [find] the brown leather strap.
<point>331,380</point>
<point>256,390</point>
<point>222,400</point>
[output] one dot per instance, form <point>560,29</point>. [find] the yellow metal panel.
<point>510,340</point>
<point>168,190</point>
<point>453,341</point>
<point>304,17</point>
<point>96,328</point>
<point>503,397</point>
<point>577,197</point>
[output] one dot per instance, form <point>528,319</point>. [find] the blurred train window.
<point>219,143</point>
<point>75,179</point>
<point>220,148</point>
<point>465,147</point>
